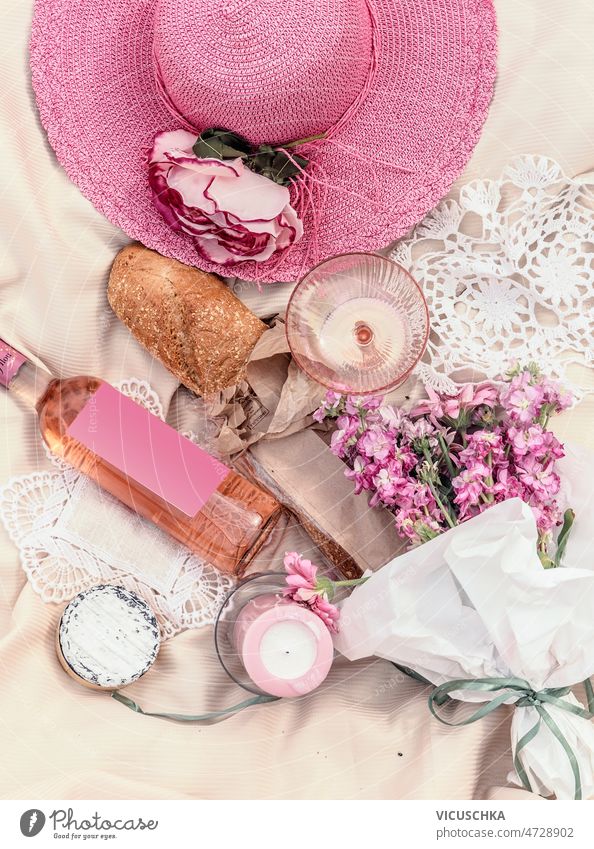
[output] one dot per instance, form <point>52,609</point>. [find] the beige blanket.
<point>366,733</point>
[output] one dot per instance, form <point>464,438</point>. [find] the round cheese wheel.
<point>108,637</point>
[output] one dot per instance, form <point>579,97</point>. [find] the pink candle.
<point>285,648</point>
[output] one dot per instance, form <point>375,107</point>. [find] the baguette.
<point>185,317</point>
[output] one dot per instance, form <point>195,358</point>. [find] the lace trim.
<point>508,273</point>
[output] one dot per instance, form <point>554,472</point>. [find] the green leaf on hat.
<point>216,143</point>
<point>276,165</point>
<point>267,160</point>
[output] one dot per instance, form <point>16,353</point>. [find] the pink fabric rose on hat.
<point>232,213</point>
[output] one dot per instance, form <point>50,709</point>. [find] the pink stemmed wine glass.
<point>357,323</point>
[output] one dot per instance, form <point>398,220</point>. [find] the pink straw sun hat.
<point>394,92</point>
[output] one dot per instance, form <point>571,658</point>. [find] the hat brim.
<point>93,79</point>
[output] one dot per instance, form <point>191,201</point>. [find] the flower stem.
<point>427,454</point>
<point>568,519</point>
<point>352,583</point>
<point>489,497</point>
<point>446,456</point>
<point>446,513</point>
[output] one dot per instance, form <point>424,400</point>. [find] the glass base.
<point>357,323</point>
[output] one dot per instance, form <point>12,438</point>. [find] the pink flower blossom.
<point>555,396</point>
<point>523,405</point>
<point>329,406</point>
<point>232,213</point>
<point>375,444</point>
<point>470,396</point>
<point>541,480</point>
<point>523,400</point>
<point>524,441</point>
<point>301,573</point>
<point>391,417</point>
<point>415,526</point>
<point>346,434</point>
<point>328,613</point>
<point>470,485</point>
<point>355,404</point>
<point>389,482</point>
<point>405,525</point>
<point>417,430</point>
<point>304,588</point>
<point>507,486</point>
<point>362,473</point>
<point>547,517</point>
<point>481,444</point>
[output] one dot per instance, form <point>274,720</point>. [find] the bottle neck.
<point>22,378</point>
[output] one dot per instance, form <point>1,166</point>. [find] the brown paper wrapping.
<point>275,400</point>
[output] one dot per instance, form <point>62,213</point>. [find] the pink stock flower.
<point>391,417</point>
<point>389,482</point>
<point>415,526</point>
<point>406,458</point>
<point>541,480</point>
<point>440,406</point>
<point>524,441</point>
<point>357,403</point>
<point>523,400</point>
<point>232,213</point>
<point>547,517</point>
<point>329,406</point>
<point>470,485</point>
<point>303,587</point>
<point>346,434</point>
<point>417,430</point>
<point>555,395</point>
<point>301,574</point>
<point>328,613</point>
<point>405,525</point>
<point>507,486</point>
<point>481,444</point>
<point>375,444</point>
<point>361,473</point>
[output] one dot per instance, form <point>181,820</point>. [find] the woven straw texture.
<point>272,71</point>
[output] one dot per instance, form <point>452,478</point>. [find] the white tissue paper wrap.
<point>476,602</point>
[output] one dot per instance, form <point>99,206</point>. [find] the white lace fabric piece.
<point>71,535</point>
<point>508,273</point>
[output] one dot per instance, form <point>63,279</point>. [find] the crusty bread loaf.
<point>188,319</point>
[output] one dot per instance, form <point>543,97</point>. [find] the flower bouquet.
<point>480,489</point>
<point>452,457</point>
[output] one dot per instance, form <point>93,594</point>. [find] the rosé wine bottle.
<point>146,464</point>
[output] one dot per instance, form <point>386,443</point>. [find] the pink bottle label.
<point>147,450</point>
<point>10,363</point>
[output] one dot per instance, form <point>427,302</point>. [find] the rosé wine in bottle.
<point>146,464</point>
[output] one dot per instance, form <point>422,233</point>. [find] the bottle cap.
<point>10,363</point>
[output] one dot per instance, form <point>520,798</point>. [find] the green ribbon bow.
<point>204,718</point>
<point>526,697</point>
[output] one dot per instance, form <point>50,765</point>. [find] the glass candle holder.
<point>269,644</point>
<point>357,323</point>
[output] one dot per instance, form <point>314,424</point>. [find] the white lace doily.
<point>508,273</point>
<point>71,535</point>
